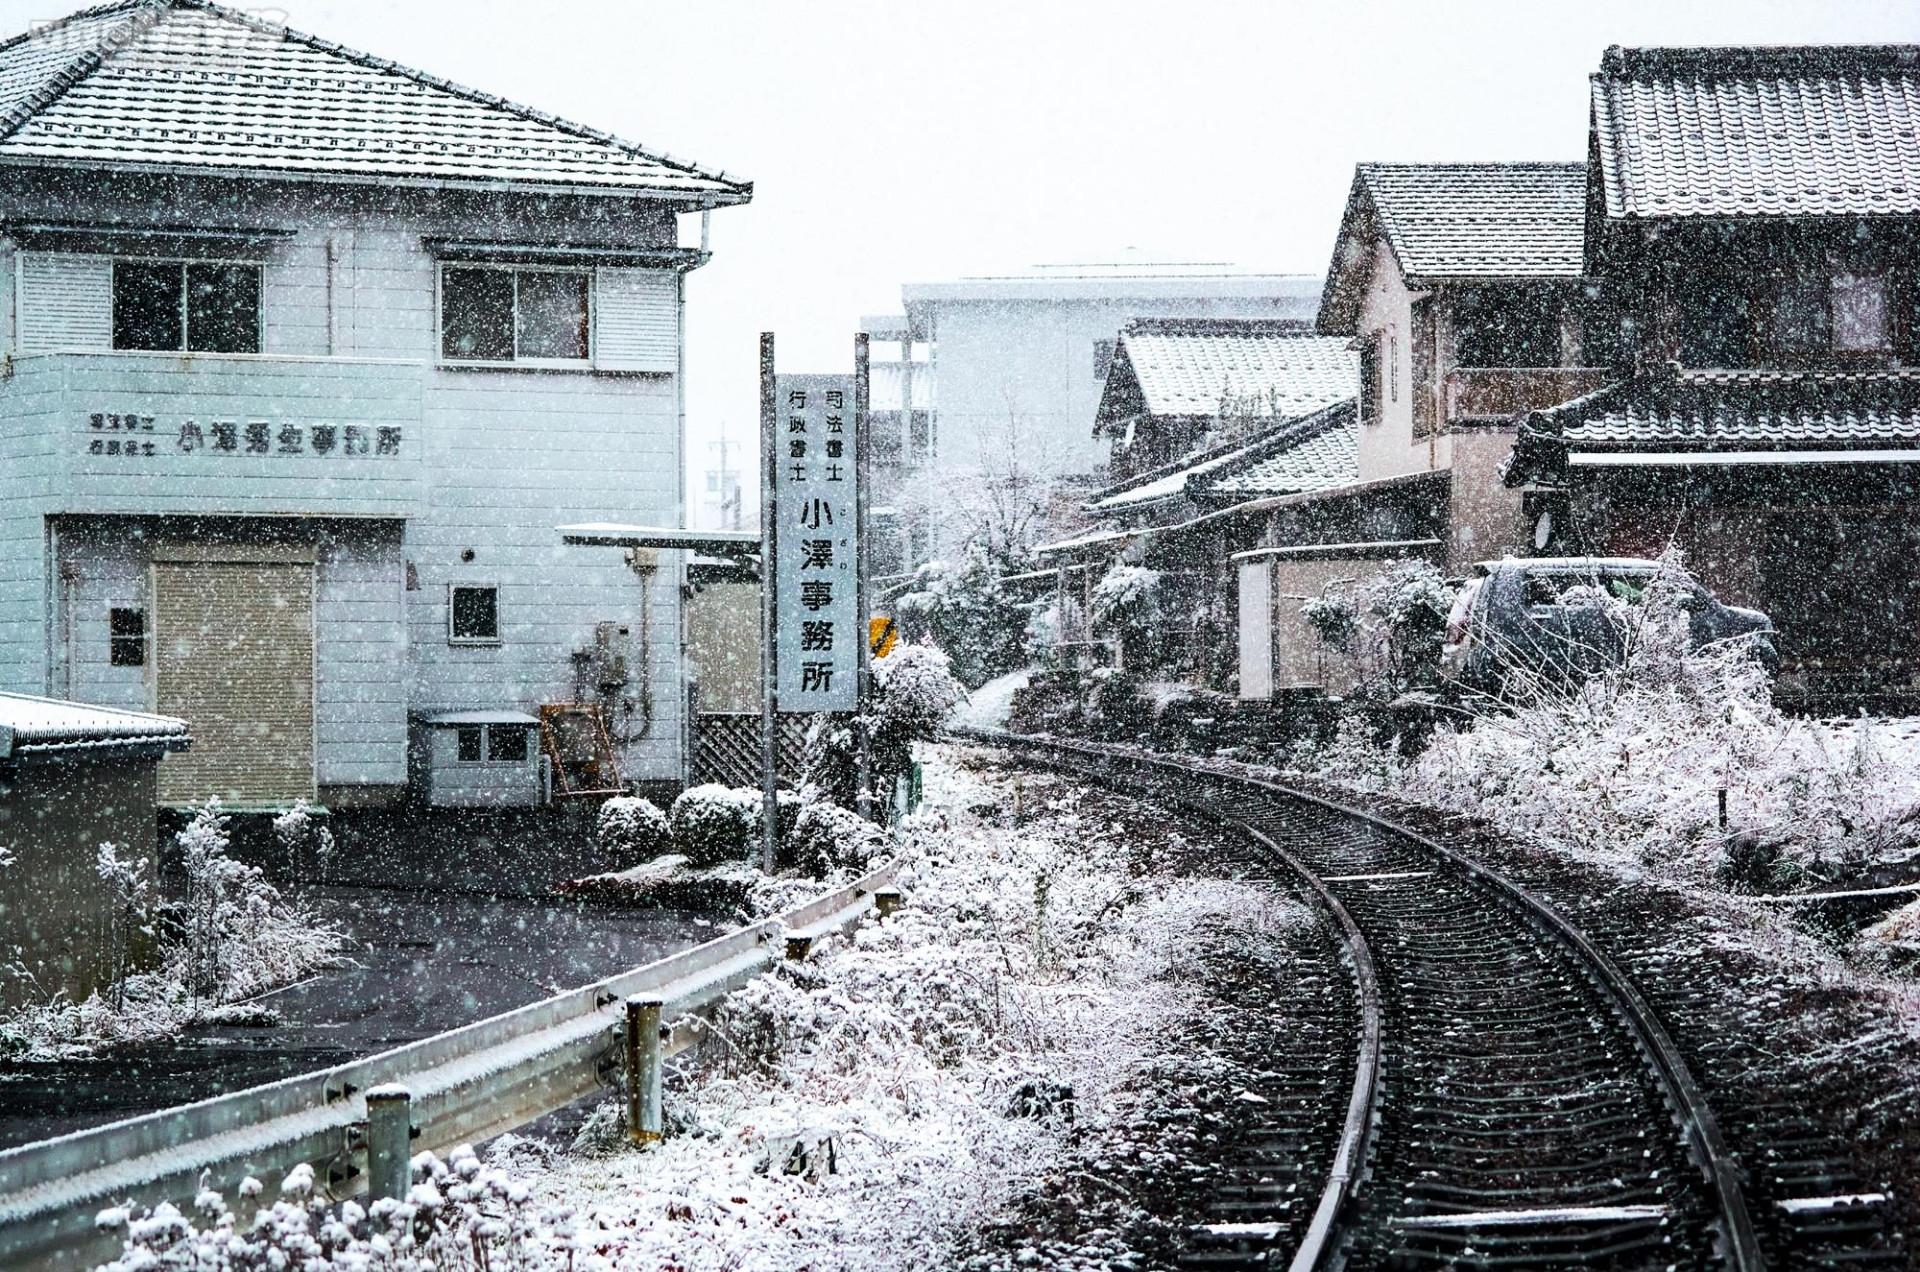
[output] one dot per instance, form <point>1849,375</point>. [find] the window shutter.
<point>636,320</point>
<point>65,301</point>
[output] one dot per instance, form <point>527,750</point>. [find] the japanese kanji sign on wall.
<point>816,554</point>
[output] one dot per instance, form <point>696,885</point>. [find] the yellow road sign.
<point>882,636</point>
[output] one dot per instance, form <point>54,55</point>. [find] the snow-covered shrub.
<point>913,692</point>
<point>1127,605</point>
<point>1333,617</point>
<point>307,843</point>
<point>713,824</point>
<point>631,830</point>
<point>129,883</point>
<point>966,610</point>
<point>827,837</point>
<point>460,1215</point>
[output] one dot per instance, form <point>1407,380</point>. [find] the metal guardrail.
<point>464,1085</point>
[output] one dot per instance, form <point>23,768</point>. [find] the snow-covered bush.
<point>129,882</point>
<point>966,610</point>
<point>1333,616</point>
<point>460,1215</point>
<point>714,824</point>
<point>913,692</point>
<point>231,936</point>
<point>828,837</point>
<point>307,843</point>
<point>631,830</point>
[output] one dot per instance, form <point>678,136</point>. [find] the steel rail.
<point>466,1084</point>
<point>1705,1144</point>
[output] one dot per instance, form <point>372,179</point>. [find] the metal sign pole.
<point>769,624</point>
<point>863,677</point>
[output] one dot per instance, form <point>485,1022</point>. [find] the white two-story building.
<point>303,356</point>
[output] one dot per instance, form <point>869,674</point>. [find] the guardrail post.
<point>389,1141</point>
<point>886,900</point>
<point>643,1070</point>
<point>798,947</point>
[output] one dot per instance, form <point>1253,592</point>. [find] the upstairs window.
<point>126,637</point>
<point>186,306</point>
<point>1370,380</point>
<point>1506,327</point>
<point>493,314</point>
<point>1860,314</point>
<point>473,615</point>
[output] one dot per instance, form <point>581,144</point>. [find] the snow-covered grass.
<point>883,1104</point>
<point>989,706</point>
<point>232,936</point>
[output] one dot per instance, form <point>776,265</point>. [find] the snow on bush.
<point>460,1215</point>
<point>715,824</point>
<point>307,843</point>
<point>827,837</point>
<point>914,691</point>
<point>1628,765</point>
<point>632,830</point>
<point>231,936</point>
<point>874,1108</point>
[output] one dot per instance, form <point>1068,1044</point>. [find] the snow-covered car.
<point>1561,618</point>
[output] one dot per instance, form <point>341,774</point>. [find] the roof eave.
<point>693,199</point>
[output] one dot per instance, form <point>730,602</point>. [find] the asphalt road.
<point>424,963</point>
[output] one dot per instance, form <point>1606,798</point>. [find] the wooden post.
<point>389,1141</point>
<point>643,1070</point>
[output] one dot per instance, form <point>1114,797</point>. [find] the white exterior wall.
<point>1031,361</point>
<point>1387,446</point>
<point>492,460</point>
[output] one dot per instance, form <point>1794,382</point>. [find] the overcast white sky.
<point>920,140</point>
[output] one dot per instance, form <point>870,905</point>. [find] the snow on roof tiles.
<point>1482,220</point>
<point>32,724</point>
<point>1322,458</point>
<point>1187,366</point>
<point>189,84</point>
<point>1704,412</point>
<point>1799,131</point>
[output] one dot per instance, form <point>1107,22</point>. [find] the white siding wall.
<point>1387,446</point>
<point>505,455</point>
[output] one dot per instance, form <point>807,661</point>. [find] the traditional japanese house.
<point>1461,287</point>
<point>1752,219</point>
<point>305,356</point>
<point>1203,416</point>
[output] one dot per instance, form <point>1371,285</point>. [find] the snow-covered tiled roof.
<point>1482,220</point>
<point>190,85</point>
<point>1318,452</point>
<point>29,725</point>
<point>1280,367</point>
<point>1798,131</point>
<point>1707,412</point>
<point>1322,455</point>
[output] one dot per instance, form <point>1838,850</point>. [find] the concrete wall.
<point>1486,520</point>
<point>53,904</point>
<point>492,458</point>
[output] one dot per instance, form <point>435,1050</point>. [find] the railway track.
<point>1515,1098</point>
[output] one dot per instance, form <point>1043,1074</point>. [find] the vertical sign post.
<point>863,754</point>
<point>769,624</point>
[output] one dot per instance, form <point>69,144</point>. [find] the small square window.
<point>127,637</point>
<point>1860,314</point>
<point>473,614</point>
<point>507,743</point>
<point>466,739</point>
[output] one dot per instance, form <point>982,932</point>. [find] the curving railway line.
<point>1510,1096</point>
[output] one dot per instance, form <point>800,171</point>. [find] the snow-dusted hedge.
<point>632,830</point>
<point>713,824</point>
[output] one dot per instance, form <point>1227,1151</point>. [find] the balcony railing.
<point>1498,392</point>
<point>200,434</point>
